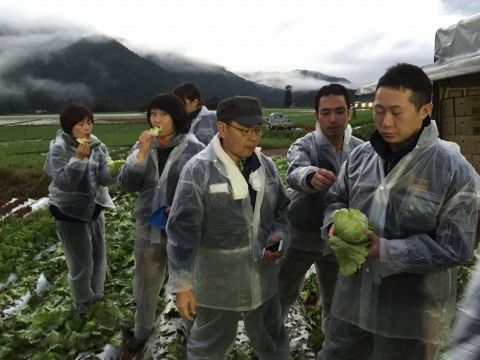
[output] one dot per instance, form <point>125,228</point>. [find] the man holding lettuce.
<point>313,162</point>
<point>420,196</point>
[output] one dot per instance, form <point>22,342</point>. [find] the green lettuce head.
<point>350,225</point>
<point>350,243</point>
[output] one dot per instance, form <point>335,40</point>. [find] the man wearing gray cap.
<point>230,205</point>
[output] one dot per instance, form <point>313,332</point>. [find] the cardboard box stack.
<point>460,121</point>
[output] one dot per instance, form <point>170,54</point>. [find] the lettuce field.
<point>37,317</point>
<point>37,320</point>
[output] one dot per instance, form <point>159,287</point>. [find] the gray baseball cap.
<point>245,110</point>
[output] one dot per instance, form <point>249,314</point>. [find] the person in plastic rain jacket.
<point>203,121</point>
<point>313,163</point>
<point>152,170</point>
<point>419,194</point>
<point>77,165</point>
<point>465,337</point>
<point>230,204</point>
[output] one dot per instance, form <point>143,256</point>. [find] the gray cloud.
<point>59,90</point>
<point>179,63</point>
<point>359,64</point>
<point>367,59</point>
<point>9,89</point>
<point>298,80</point>
<point>285,27</point>
<point>22,40</point>
<point>462,7</point>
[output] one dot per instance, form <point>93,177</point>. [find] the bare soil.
<point>28,183</point>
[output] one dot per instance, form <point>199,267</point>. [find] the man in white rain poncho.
<point>229,205</point>
<point>419,194</point>
<point>313,162</point>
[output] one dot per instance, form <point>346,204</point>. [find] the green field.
<point>25,146</point>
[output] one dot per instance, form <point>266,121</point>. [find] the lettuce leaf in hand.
<point>350,243</point>
<point>350,256</point>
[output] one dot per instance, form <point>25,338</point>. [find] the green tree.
<point>287,100</point>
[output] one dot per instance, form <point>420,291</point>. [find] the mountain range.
<point>107,76</point>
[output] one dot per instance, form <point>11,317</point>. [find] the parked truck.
<point>278,121</point>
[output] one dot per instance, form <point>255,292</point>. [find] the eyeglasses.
<point>248,131</point>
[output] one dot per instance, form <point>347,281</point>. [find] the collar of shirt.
<point>249,165</point>
<point>391,158</point>
<point>194,114</point>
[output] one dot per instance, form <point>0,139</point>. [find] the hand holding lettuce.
<point>350,243</point>
<point>114,165</point>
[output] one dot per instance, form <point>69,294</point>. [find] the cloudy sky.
<point>354,39</point>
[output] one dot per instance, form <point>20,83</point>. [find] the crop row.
<point>48,327</point>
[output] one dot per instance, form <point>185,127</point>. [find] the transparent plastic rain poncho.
<point>305,156</point>
<point>77,185</point>
<point>425,213</point>
<point>465,337</point>
<point>215,242</point>
<point>153,190</point>
<point>204,126</point>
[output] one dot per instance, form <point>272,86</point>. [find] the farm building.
<point>455,75</point>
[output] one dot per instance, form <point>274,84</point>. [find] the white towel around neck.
<point>237,180</point>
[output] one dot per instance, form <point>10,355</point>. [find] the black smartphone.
<point>274,247</point>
